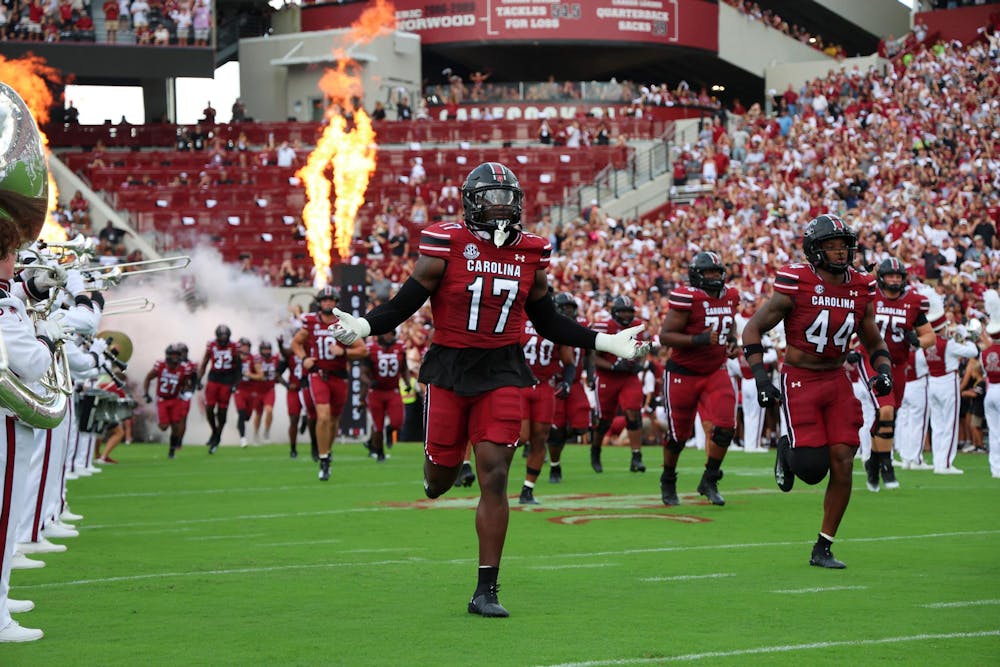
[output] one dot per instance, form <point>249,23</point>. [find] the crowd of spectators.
<point>155,22</point>
<point>768,17</point>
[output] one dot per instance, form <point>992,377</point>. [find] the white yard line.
<point>465,561</point>
<point>764,650</point>
<point>820,589</point>
<point>691,577</point>
<point>572,567</point>
<point>968,603</point>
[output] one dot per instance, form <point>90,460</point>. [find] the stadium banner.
<point>351,278</point>
<point>688,23</point>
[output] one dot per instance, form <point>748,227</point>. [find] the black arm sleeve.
<point>558,328</point>
<point>395,311</point>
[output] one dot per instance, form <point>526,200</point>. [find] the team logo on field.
<point>471,251</point>
<point>820,289</point>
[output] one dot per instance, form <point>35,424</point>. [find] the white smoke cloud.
<point>239,300</point>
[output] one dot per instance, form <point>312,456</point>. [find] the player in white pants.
<point>911,420</point>
<point>942,393</point>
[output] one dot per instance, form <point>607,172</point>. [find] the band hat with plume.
<point>991,304</point>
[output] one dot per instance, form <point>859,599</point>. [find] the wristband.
<point>752,348</point>
<point>876,354</point>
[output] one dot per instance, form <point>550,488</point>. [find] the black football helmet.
<point>888,267</point>
<point>566,304</point>
<point>702,262</point>
<point>182,349</point>
<point>387,339</point>
<point>222,334</point>
<point>328,293</point>
<point>173,355</point>
<point>265,347</point>
<point>821,228</point>
<point>493,199</point>
<point>622,310</point>
<point>245,341</point>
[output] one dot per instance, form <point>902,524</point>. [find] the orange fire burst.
<point>349,152</point>
<point>29,76</point>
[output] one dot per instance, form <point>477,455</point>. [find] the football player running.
<point>701,328</point>
<point>822,303</point>
<point>483,277</point>
<point>901,316</point>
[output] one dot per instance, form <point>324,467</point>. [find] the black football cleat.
<point>888,473</point>
<point>293,454</point>
<point>214,447</point>
<point>595,458</point>
<point>555,474</point>
<point>465,476</point>
<point>668,489</point>
<point>823,557</point>
<point>528,496</point>
<point>324,469</point>
<point>487,605</point>
<point>709,487</point>
<point>170,453</point>
<point>637,465</point>
<point>871,473</point>
<point>783,475</point>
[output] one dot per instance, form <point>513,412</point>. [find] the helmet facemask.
<point>493,213</point>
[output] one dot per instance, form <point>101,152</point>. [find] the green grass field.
<point>244,558</point>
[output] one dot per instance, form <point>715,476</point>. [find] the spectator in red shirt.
<point>111,14</point>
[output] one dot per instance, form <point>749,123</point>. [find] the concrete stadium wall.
<point>270,91</point>
<point>877,17</point>
<point>752,46</point>
<point>777,77</point>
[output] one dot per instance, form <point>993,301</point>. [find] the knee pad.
<point>674,446</point>
<point>723,437</point>
<point>810,464</point>
<point>633,424</point>
<point>557,435</point>
<point>884,428</point>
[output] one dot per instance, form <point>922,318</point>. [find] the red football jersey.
<point>825,315</point>
<point>895,317</point>
<point>168,380</point>
<point>540,353</point>
<point>222,365</point>
<point>611,326</point>
<point>704,312</point>
<point>387,364</point>
<point>320,344</point>
<point>247,364</point>
<point>269,367</point>
<point>479,302</point>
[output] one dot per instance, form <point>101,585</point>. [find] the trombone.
<point>135,304</point>
<point>135,268</point>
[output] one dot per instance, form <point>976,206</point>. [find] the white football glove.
<point>99,346</point>
<point>52,329</point>
<point>623,344</point>
<point>74,282</point>
<point>349,328</point>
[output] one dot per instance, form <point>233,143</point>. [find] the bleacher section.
<point>260,211</point>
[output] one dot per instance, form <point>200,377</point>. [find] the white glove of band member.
<point>349,328</point>
<point>623,344</point>
<point>99,346</point>
<point>52,330</point>
<point>45,279</point>
<point>961,333</point>
<point>74,282</point>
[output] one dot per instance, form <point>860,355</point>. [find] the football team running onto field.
<point>506,367</point>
